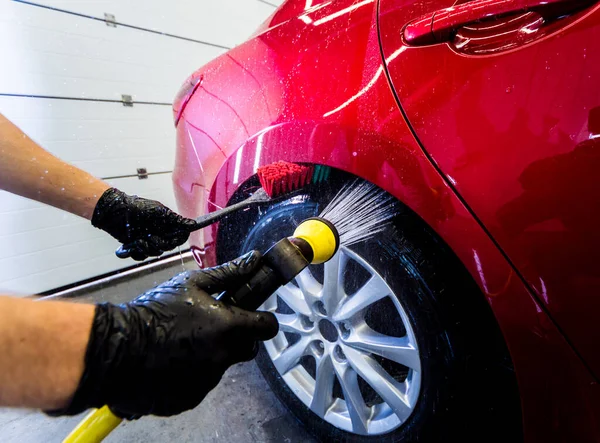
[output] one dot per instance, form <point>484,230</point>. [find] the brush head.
<point>284,177</point>
<point>322,237</point>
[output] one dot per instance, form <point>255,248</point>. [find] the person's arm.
<point>26,169</point>
<point>145,227</point>
<point>42,349</point>
<point>158,354</point>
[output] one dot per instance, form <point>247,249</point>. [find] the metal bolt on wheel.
<point>330,326</point>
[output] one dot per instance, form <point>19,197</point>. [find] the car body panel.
<point>544,362</point>
<point>318,93</point>
<point>515,132</point>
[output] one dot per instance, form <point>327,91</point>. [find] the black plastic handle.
<point>280,264</point>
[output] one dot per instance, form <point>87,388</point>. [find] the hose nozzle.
<point>322,237</point>
<point>314,241</point>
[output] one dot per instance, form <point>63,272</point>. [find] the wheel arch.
<point>423,193</point>
<point>532,340</point>
<point>395,167</point>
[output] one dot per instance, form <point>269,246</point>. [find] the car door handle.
<point>441,25</point>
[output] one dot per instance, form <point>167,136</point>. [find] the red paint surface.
<point>515,132</point>
<point>314,89</point>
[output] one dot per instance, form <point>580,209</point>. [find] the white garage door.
<point>64,71</point>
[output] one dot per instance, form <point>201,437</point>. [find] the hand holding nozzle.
<point>315,241</point>
<point>163,352</point>
<point>170,366</point>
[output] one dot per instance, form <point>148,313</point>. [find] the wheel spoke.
<point>357,409</point>
<point>308,284</point>
<point>313,307</point>
<point>293,297</point>
<point>290,356</point>
<point>324,378</point>
<point>333,288</point>
<point>269,305</point>
<point>391,391</point>
<point>397,349</point>
<point>290,323</point>
<point>374,290</point>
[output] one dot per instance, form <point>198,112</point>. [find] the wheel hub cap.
<point>328,331</point>
<point>333,360</point>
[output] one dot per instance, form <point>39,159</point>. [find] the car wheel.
<point>391,340</point>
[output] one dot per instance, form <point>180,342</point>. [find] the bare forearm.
<point>42,350</point>
<point>28,170</point>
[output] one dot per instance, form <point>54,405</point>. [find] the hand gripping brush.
<point>278,180</point>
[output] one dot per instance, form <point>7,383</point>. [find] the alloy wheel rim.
<point>330,327</point>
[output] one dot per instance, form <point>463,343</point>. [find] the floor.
<point>241,409</point>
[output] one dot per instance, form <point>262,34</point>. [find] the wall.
<point>63,73</point>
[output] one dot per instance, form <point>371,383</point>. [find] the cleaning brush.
<point>321,174</point>
<point>284,177</point>
<point>278,181</point>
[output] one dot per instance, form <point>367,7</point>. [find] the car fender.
<point>533,339</point>
<point>267,100</point>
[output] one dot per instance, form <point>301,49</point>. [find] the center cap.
<point>328,331</point>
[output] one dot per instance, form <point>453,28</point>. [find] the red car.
<point>474,314</point>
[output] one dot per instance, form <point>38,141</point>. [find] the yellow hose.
<point>324,241</point>
<point>94,427</point>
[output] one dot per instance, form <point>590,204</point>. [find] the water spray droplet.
<point>359,211</point>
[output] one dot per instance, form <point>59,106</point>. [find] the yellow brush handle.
<point>94,427</point>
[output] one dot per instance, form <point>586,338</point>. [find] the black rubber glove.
<point>145,227</point>
<point>164,351</point>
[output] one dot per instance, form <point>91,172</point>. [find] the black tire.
<point>468,388</point>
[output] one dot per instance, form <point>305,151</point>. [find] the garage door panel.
<point>43,248</point>
<point>105,139</point>
<point>39,282</point>
<point>28,220</point>
<point>47,236</point>
<point>57,54</point>
<point>201,20</point>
